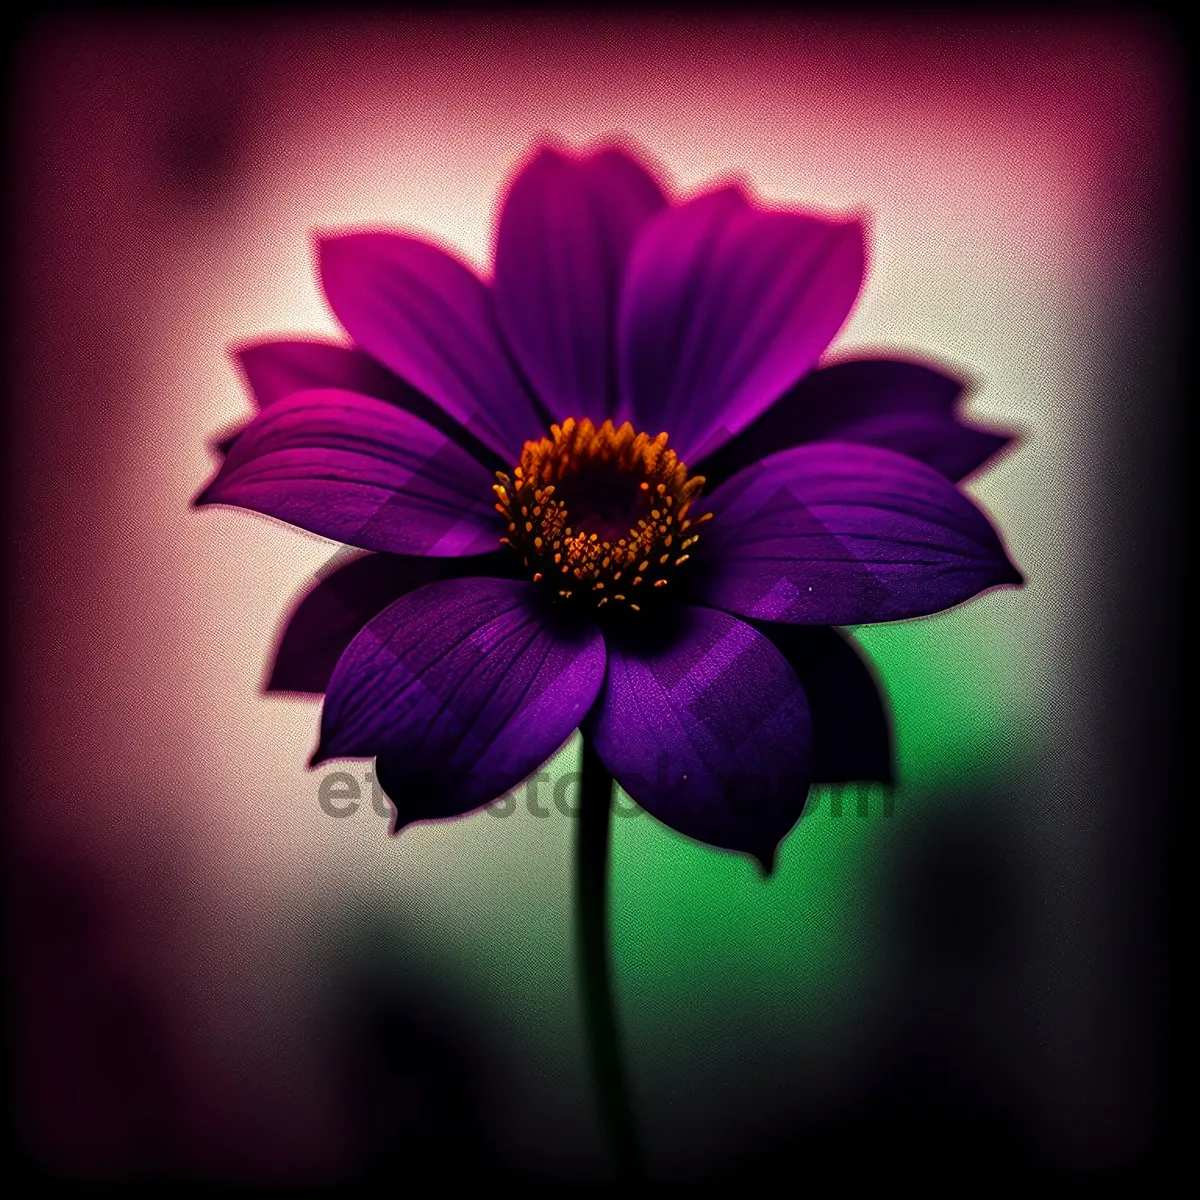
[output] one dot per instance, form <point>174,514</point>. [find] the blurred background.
<point>215,978</point>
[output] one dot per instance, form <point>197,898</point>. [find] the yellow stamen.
<point>552,518</point>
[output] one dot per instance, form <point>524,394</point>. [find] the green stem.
<point>595,961</point>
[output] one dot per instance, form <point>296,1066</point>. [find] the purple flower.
<point>610,488</point>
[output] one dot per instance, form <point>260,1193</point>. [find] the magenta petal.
<point>431,320</point>
<point>461,688</point>
<point>852,738</point>
<point>275,369</point>
<point>709,732</point>
<point>724,306</point>
<point>838,534</point>
<point>360,471</point>
<point>900,405</point>
<point>565,233</point>
<point>329,614</point>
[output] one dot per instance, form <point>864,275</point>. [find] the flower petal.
<point>326,618</point>
<point>852,738</point>
<point>361,471</point>
<point>724,306</point>
<point>949,446</point>
<point>838,534</point>
<point>275,369</point>
<point>900,405</point>
<point>565,233</point>
<point>432,321</point>
<point>461,688</point>
<point>708,729</point>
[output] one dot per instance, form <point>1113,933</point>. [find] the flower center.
<point>601,514</point>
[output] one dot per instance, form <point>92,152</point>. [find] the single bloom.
<point>611,487</point>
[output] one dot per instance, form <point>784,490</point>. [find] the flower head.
<point>609,487</point>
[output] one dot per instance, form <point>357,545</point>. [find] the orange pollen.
<point>586,505</point>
